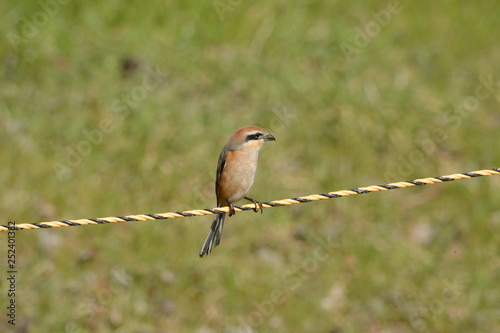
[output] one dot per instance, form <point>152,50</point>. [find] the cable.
<point>277,203</point>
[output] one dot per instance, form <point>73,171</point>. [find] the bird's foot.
<point>231,209</point>
<point>258,205</point>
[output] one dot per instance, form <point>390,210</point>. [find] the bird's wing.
<point>220,167</point>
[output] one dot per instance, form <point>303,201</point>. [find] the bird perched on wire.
<point>235,175</point>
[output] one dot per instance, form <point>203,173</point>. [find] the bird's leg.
<point>257,204</point>
<point>231,209</point>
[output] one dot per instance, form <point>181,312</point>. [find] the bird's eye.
<point>254,136</point>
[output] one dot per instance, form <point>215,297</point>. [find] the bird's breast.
<point>238,175</point>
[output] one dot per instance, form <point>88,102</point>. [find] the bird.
<point>235,175</point>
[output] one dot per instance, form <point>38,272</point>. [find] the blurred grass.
<point>423,259</point>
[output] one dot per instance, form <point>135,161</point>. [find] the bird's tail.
<point>214,235</point>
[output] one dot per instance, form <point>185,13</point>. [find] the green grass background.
<point>416,260</point>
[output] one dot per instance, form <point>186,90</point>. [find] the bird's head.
<point>249,138</point>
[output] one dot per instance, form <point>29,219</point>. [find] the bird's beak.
<point>269,137</point>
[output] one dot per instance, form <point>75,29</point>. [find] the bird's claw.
<point>231,210</point>
<point>258,205</point>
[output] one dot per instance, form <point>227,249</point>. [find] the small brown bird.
<point>235,176</point>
